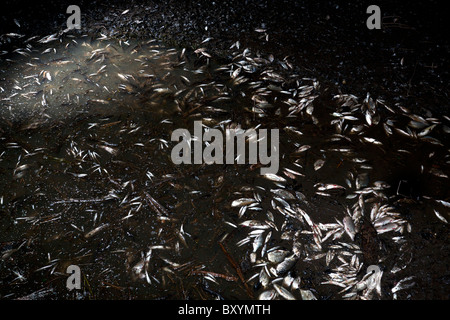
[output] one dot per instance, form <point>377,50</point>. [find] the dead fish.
<point>21,168</point>
<point>78,175</point>
<point>6,254</point>
<point>327,186</point>
<point>401,284</point>
<point>108,149</point>
<point>368,117</point>
<point>303,148</point>
<point>243,202</point>
<point>319,164</point>
<point>46,75</point>
<point>426,131</point>
<point>264,278</point>
<point>99,101</point>
<point>349,227</point>
<point>283,292</point>
<point>284,194</point>
<point>268,295</point>
<point>445,203</point>
<point>351,118</point>
<point>362,180</point>
<point>440,216</point>
<point>255,224</point>
<point>388,227</point>
<point>276,256</point>
<point>96,230</point>
<point>236,73</point>
<point>14,35</point>
<point>274,177</point>
<point>438,173</point>
<point>49,38</point>
<point>286,264</point>
<point>307,295</point>
<point>291,173</point>
<point>258,241</point>
<point>372,140</point>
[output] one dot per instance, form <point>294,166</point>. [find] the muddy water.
<point>87,178</point>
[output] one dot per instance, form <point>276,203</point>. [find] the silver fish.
<point>283,292</point>
<point>286,264</point>
<point>96,230</point>
<point>268,295</point>
<point>255,224</point>
<point>274,177</point>
<point>349,227</point>
<point>307,295</point>
<point>242,202</point>
<point>276,256</point>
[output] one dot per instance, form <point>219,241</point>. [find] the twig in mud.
<point>237,268</point>
<point>214,274</point>
<point>107,284</point>
<point>88,286</point>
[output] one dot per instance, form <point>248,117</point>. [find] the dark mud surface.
<point>404,64</point>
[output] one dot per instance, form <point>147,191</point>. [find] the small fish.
<point>276,256</point>
<point>14,35</point>
<point>401,284</point>
<point>307,295</point>
<point>284,194</point>
<point>21,168</point>
<point>255,224</point>
<point>328,186</point>
<point>286,264</point>
<point>47,75</point>
<point>235,73</point>
<point>303,148</point>
<point>372,140</point>
<point>445,203</point>
<point>108,149</point>
<point>283,292</point>
<point>264,278</point>
<point>349,227</point>
<point>78,175</point>
<point>319,164</point>
<point>440,216</point>
<point>426,131</point>
<point>242,202</point>
<point>49,38</point>
<point>274,177</point>
<point>438,173</point>
<point>258,242</point>
<point>350,118</point>
<point>388,227</point>
<point>368,117</point>
<point>292,173</point>
<point>268,295</point>
<point>96,230</point>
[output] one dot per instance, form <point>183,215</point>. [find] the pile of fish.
<point>363,208</point>
<point>87,177</point>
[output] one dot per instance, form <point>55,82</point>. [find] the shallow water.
<point>89,146</point>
